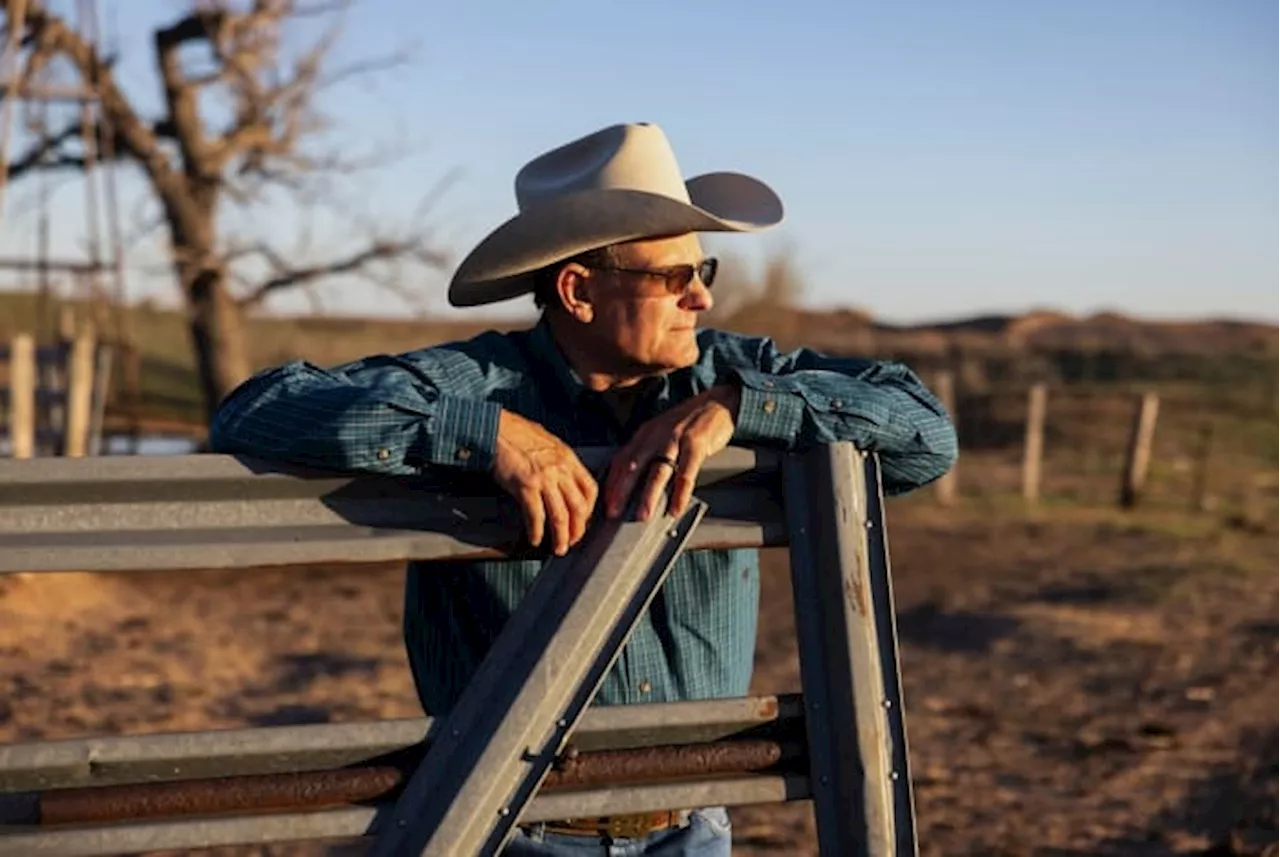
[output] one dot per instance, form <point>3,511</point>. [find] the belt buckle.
<point>630,826</point>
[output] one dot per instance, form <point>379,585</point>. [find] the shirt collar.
<point>544,347</point>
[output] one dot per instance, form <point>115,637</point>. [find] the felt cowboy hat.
<point>618,184</point>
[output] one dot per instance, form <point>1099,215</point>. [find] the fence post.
<point>1033,445</point>
<point>101,392</point>
<point>944,388</point>
<point>75,435</point>
<point>1138,458</point>
<point>849,672</point>
<point>22,396</point>
<point>131,380</point>
<point>1204,455</point>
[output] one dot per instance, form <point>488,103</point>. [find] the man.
<point>605,240</point>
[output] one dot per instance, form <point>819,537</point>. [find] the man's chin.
<point>683,357</point>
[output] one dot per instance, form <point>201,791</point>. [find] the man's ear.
<point>574,286</point>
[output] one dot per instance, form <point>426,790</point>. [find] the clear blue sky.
<point>936,158</point>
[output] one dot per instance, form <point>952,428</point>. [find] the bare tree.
<point>240,124</point>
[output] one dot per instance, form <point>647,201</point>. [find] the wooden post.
<point>75,438</point>
<point>1275,388</point>
<point>98,402</point>
<point>1139,456</point>
<point>53,384</point>
<point>1204,454</point>
<point>66,323</point>
<point>1033,445</point>
<point>944,388</point>
<point>132,378</point>
<point>22,396</point>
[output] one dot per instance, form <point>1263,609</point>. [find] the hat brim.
<point>500,266</point>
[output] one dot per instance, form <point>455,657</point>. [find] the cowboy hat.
<point>618,184</point>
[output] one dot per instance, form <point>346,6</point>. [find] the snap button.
<point>769,406</point>
<point>463,453</point>
<point>384,454</point>
<point>836,403</point>
<point>645,687</point>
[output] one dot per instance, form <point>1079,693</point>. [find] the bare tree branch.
<point>45,153</point>
<point>183,120</point>
<point>50,35</point>
<point>357,262</point>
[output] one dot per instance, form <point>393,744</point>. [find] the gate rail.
<point>842,743</point>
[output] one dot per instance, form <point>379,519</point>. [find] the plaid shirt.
<point>438,408</point>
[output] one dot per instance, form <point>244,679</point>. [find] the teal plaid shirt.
<point>438,408</point>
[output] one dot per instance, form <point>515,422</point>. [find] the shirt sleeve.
<point>798,399</point>
<point>384,414</point>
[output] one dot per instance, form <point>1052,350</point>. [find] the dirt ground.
<point>1082,683</point>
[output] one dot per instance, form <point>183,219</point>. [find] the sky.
<point>936,158</point>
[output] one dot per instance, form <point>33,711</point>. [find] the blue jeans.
<point>706,835</point>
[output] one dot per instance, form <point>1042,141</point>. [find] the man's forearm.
<point>884,410</point>
<point>305,415</point>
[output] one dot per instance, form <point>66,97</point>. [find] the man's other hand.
<point>670,450</point>
<point>556,492</point>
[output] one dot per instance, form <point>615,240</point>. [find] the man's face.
<point>647,321</point>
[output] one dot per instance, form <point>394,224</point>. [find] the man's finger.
<point>534,515</point>
<point>692,457</point>
<point>622,479</point>
<point>557,519</point>
<point>660,472</point>
<point>590,491</point>
<point>579,511</point>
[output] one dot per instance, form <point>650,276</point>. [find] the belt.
<point>620,826</point>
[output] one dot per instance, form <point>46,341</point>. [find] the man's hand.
<point>670,449</point>
<point>555,490</point>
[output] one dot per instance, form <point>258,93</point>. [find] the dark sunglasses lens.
<point>679,278</point>
<point>707,272</point>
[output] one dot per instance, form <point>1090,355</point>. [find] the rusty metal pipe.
<point>660,763</point>
<point>263,792</point>
<point>322,789</point>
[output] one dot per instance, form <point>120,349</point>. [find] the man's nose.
<point>698,297</point>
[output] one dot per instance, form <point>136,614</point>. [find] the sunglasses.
<point>677,278</point>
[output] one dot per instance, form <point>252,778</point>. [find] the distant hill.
<point>1110,331</point>
<point>1041,330</point>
